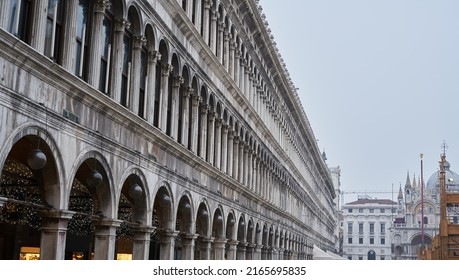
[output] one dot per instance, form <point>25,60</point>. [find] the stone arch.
<point>218,225</point>
<point>135,189</point>
<point>185,228</point>
<point>84,172</point>
<point>150,37</point>
<point>231,226</point>
<point>175,62</point>
<point>27,138</point>
<point>162,239</point>
<point>134,17</point>
<point>133,209</point>
<point>163,49</point>
<point>163,205</point>
<point>203,231</point>
<point>118,9</point>
<point>30,188</point>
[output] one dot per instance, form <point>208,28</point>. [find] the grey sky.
<point>379,81</point>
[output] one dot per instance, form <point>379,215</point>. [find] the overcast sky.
<point>379,81</point>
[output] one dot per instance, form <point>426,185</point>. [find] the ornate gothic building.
<point>409,232</point>
<point>154,129</point>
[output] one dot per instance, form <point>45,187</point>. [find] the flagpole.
<point>422,205</point>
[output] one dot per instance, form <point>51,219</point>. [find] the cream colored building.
<point>366,226</point>
<point>154,130</point>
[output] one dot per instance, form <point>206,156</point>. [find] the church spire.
<point>415,185</point>
<point>408,183</point>
<point>400,193</point>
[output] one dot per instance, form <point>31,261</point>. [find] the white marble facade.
<point>153,130</point>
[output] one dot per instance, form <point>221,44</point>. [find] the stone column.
<point>264,252</point>
<point>206,246</point>
<point>187,91</point>
<point>229,169</point>
<point>221,28</point>
<point>153,57</point>
<point>166,244</point>
<point>236,158</point>
<point>226,50</point>
<point>250,251</point>
<point>105,239</point>
<point>242,63</point>
<point>219,245</point>
<point>38,26</point>
<point>250,89</point>
<point>213,32</point>
<point>224,148</point>
<point>231,57</point>
<point>257,252</point>
<point>53,234</point>
<point>198,15</point>
<point>241,162</point>
<point>237,59</point>
<point>205,22</point>
<point>241,251</point>
<point>231,254</point>
<point>210,137</point>
<point>4,8</point>
<point>203,141</point>
<point>218,143</point>
<point>116,65</point>
<point>166,69</point>
<point>196,99</point>
<point>188,244</point>
<point>134,90</point>
<point>141,242</point>
<point>256,187</point>
<point>247,165</point>
<point>247,82</point>
<point>176,83</point>
<point>96,43</point>
<point>69,35</point>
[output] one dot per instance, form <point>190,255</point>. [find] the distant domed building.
<point>452,180</point>
<point>407,234</point>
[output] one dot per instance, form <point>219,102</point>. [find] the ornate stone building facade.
<point>153,130</point>
<point>409,233</point>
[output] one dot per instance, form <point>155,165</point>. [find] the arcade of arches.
<point>122,137</point>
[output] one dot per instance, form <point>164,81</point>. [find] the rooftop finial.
<point>444,147</point>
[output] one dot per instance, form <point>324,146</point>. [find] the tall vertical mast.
<point>422,205</point>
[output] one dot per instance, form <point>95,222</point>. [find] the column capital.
<point>177,81</point>
<point>139,41</point>
<point>204,108</point>
<point>187,91</point>
<point>154,56</point>
<point>211,114</point>
<point>101,5</point>
<point>196,99</point>
<point>55,213</point>
<point>218,122</point>
<point>121,24</point>
<point>166,69</point>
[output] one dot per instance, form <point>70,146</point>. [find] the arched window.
<point>82,38</point>
<point>105,55</point>
<point>20,19</point>
<point>126,67</point>
<point>143,80</point>
<point>53,36</point>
